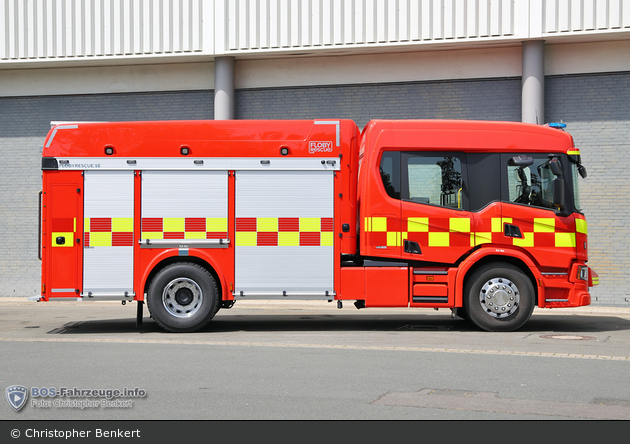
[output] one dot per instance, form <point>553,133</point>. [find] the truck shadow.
<point>549,324</point>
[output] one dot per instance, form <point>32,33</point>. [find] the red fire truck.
<point>480,217</point>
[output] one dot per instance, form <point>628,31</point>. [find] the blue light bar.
<point>557,125</point>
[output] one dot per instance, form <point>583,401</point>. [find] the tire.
<point>183,297</point>
<point>499,297</point>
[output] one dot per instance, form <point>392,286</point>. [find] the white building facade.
<point>525,60</point>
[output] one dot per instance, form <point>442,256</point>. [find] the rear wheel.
<point>499,297</point>
<point>183,297</point>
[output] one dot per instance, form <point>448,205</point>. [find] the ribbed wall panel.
<point>75,29</point>
<point>277,24</point>
<point>571,16</point>
<point>43,29</point>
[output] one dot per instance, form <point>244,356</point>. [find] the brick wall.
<point>596,109</point>
<point>479,99</point>
<point>20,182</point>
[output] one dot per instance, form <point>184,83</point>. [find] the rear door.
<point>62,228</point>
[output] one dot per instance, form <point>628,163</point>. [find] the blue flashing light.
<point>557,125</point>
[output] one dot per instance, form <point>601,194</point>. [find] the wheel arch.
<point>476,261</point>
<point>164,262</point>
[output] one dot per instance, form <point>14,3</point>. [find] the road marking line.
<point>328,346</point>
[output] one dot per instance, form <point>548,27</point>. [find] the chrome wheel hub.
<point>499,297</point>
<point>182,297</point>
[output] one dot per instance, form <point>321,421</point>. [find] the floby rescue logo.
<point>17,396</point>
<point>320,147</point>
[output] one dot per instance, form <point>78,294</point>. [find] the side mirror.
<point>558,192</point>
<point>554,163</point>
<point>521,161</point>
<point>582,171</point>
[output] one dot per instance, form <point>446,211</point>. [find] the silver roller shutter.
<point>185,205</point>
<point>284,239</point>
<point>108,233</point>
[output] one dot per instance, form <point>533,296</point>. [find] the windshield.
<point>576,187</point>
<point>532,185</point>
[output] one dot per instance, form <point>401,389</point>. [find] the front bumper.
<point>562,290</point>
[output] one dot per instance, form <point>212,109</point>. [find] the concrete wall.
<point>293,71</point>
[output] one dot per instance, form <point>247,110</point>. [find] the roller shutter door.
<point>184,205</point>
<point>108,233</point>
<point>284,234</point>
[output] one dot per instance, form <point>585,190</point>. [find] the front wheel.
<point>499,297</point>
<point>183,297</point>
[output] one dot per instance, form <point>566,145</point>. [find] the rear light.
<point>583,272</point>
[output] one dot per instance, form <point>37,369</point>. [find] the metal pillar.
<point>533,85</point>
<point>224,88</point>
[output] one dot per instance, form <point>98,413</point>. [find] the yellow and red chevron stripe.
<point>458,232</point>
<point>431,232</point>
<point>184,228</point>
<point>108,231</point>
<point>284,231</point>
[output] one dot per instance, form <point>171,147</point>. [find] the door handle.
<point>412,247</point>
<point>61,240</point>
<point>512,231</point>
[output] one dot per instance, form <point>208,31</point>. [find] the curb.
<point>590,309</point>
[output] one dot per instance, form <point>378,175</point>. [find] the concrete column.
<point>533,85</point>
<point>223,88</point>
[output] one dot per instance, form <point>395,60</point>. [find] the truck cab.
<point>486,215</point>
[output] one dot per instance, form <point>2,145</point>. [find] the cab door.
<point>529,216</point>
<point>436,227</point>
<point>382,223</point>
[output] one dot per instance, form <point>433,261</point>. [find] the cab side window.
<point>431,179</point>
<point>390,173</point>
<point>427,178</point>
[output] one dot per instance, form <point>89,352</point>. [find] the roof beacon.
<point>561,126</point>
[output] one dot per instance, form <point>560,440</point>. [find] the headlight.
<point>583,272</point>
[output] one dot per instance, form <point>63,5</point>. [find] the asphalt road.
<point>312,361</point>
